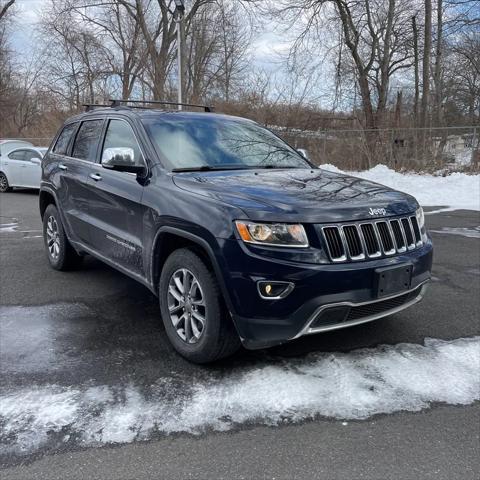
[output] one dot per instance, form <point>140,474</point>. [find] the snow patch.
<point>344,386</point>
<point>8,227</point>
<point>458,190</point>
<point>462,231</point>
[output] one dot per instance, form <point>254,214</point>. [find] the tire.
<point>60,252</point>
<point>217,338</point>
<point>4,186</point>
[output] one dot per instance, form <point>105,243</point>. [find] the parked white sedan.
<point>21,167</point>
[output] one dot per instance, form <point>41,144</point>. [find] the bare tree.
<point>157,24</point>
<point>4,7</point>
<point>427,45</point>
<point>416,69</point>
<point>437,75</point>
<point>123,35</point>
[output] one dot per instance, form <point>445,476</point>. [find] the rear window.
<point>87,139</point>
<point>63,140</point>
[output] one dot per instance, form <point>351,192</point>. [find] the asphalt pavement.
<point>95,326</point>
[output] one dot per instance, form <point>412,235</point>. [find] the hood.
<point>298,195</point>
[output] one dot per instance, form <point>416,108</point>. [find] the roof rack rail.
<point>118,102</point>
<point>92,106</point>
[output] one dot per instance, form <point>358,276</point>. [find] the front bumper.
<point>319,290</point>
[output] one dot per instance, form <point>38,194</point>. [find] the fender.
<point>202,243</point>
<point>46,188</point>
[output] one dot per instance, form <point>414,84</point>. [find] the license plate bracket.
<point>393,280</point>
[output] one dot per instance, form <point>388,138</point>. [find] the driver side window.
<point>120,135</point>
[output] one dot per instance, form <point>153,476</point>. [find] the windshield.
<point>187,142</point>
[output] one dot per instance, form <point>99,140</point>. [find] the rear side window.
<point>63,140</point>
<point>87,139</point>
<point>17,155</point>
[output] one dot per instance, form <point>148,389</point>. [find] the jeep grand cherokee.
<point>243,240</point>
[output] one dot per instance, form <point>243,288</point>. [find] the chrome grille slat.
<point>407,228</point>
<point>399,236</point>
<point>416,230</point>
<point>369,240</point>
<point>372,244</point>
<point>353,242</point>
<point>386,237</point>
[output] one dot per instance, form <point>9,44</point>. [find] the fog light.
<point>274,290</point>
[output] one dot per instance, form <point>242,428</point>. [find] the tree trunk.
<point>417,78</point>
<point>438,66</point>
<point>426,62</point>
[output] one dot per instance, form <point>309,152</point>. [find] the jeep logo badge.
<point>377,211</point>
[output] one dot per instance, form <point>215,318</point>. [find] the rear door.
<point>117,213</point>
<point>76,150</point>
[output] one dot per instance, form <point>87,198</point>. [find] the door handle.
<point>61,166</point>
<point>96,176</point>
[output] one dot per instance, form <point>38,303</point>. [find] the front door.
<point>116,210</point>
<point>32,171</point>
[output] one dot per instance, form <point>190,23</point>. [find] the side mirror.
<point>303,153</point>
<point>36,160</point>
<point>121,159</point>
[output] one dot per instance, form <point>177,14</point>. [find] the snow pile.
<point>353,385</point>
<point>458,190</point>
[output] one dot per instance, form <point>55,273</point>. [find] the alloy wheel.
<point>53,237</point>
<point>3,183</point>
<point>186,305</point>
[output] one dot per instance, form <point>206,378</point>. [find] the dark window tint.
<point>62,142</point>
<point>86,142</point>
<point>120,135</point>
<point>17,155</point>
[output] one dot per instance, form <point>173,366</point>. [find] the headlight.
<point>276,234</point>
<point>420,218</point>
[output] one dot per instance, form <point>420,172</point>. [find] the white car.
<point>20,166</point>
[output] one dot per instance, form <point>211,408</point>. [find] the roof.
<point>138,112</point>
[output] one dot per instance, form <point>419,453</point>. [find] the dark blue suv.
<point>243,240</point>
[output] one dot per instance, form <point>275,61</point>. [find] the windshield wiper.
<point>209,168</point>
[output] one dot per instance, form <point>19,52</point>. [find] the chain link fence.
<point>430,149</point>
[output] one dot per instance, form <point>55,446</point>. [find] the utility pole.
<point>181,50</point>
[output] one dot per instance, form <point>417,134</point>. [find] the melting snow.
<point>457,190</point>
<point>463,231</point>
<point>8,227</point>
<point>346,386</point>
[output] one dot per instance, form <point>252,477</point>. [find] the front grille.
<point>341,314</point>
<point>371,239</point>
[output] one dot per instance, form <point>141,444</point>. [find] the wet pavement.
<point>84,356</point>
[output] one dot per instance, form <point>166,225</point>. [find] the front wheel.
<point>60,253</point>
<point>196,321</point>
<point>4,186</point>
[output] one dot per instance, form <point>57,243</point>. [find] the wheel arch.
<point>45,199</point>
<point>168,239</point>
